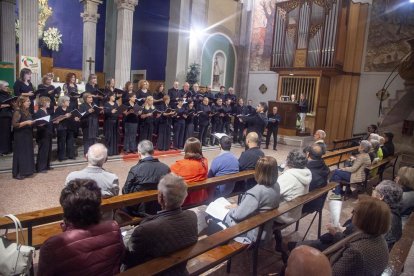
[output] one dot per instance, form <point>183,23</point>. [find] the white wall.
<point>366,112</point>
<point>256,79</point>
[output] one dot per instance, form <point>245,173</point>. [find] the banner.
<point>33,63</point>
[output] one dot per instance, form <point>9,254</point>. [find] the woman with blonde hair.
<point>193,168</point>
<point>142,92</point>
<point>44,136</point>
<point>146,125</point>
<point>92,87</point>
<point>405,178</point>
<point>128,89</point>
<point>23,156</point>
<point>48,91</point>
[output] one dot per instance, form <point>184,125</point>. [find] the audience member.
<point>319,138</point>
<point>355,173</point>
<point>320,173</point>
<point>145,176</point>
<point>107,182</point>
<point>87,246</point>
<point>294,182</point>
<point>405,178</point>
<point>305,260</point>
<point>391,193</point>
<point>170,230</point>
<point>264,196</point>
<point>376,152</point>
<point>192,168</point>
<point>248,158</point>
<point>388,147</point>
<point>225,163</point>
<point>366,253</point>
<point>370,129</point>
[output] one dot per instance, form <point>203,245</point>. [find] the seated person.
<point>405,178</point>
<point>87,246</point>
<point>320,174</point>
<point>388,148</point>
<point>370,129</point>
<point>306,260</point>
<point>170,230</point>
<point>355,173</point>
<point>192,168</point>
<point>264,196</point>
<point>145,176</point>
<point>225,163</point>
<point>367,252</point>
<point>248,160</point>
<point>319,138</point>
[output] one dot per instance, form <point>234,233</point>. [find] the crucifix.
<point>90,61</point>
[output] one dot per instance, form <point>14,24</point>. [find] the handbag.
<point>15,258</point>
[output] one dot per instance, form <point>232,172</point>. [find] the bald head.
<point>306,260</point>
<point>252,139</point>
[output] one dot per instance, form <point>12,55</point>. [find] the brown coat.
<point>357,170</point>
<point>160,235</point>
<point>363,255</point>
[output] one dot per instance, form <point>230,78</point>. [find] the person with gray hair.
<point>319,138</point>
<point>169,230</point>
<point>144,176</point>
<point>108,182</point>
<point>354,173</point>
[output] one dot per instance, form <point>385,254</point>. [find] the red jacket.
<point>192,170</point>
<point>96,250</point>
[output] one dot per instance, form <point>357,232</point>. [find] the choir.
<point>126,116</point>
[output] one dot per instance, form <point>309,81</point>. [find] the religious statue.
<point>219,66</point>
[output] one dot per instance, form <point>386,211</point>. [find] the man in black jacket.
<point>272,127</point>
<point>256,122</point>
<point>174,94</point>
<point>320,174</point>
<point>145,176</point>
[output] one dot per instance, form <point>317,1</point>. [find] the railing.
<point>300,85</point>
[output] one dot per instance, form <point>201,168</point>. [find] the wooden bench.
<point>209,252</point>
<point>400,250</point>
<point>43,224</point>
<point>335,158</point>
<point>346,143</point>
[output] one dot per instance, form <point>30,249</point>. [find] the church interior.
<point>339,73</point>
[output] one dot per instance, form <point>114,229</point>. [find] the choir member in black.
<point>89,122</point>
<point>217,124</point>
<point>23,87</point>
<point>186,92</point>
<point>189,121</point>
<point>146,126</point>
<point>159,96</point>
<point>66,129</point>
<point>239,110</point>
<point>92,88</point>
<point>164,126</point>
<point>142,92</point>
<point>179,124</point>
<point>110,87</point>
<point>131,126</point>
<point>220,94</point>
<point>44,134</point>
<point>209,94</point>
<point>204,114</point>
<point>111,124</point>
<point>228,110</point>
<point>272,127</point>
<point>256,122</point>
<point>70,89</point>
<point>174,94</point>
<point>23,156</point>
<point>50,90</point>
<point>230,95</point>
<point>250,108</point>
<point>6,113</point>
<point>128,90</point>
<point>198,96</point>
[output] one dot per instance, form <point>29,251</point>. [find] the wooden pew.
<point>334,158</point>
<point>43,224</point>
<point>346,143</point>
<point>400,250</point>
<point>200,254</point>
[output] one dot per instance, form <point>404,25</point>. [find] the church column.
<point>90,17</point>
<point>7,33</point>
<point>28,33</point>
<point>124,40</point>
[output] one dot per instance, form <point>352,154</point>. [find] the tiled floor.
<point>42,191</point>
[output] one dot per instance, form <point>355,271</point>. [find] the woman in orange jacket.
<point>193,168</point>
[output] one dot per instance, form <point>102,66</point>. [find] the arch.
<point>215,43</point>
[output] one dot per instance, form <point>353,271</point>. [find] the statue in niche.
<point>219,70</point>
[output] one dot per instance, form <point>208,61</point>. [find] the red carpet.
<point>157,153</point>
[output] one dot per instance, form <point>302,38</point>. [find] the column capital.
<point>126,4</point>
<point>90,10</point>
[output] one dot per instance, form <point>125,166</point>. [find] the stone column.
<point>28,33</point>
<point>7,33</point>
<point>90,17</point>
<point>124,40</point>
